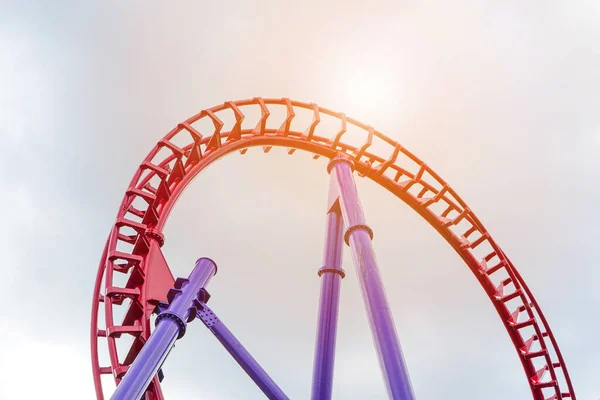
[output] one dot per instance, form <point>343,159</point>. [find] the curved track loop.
<point>169,168</point>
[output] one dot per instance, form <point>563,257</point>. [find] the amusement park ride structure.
<point>133,249</point>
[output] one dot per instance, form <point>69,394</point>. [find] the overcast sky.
<point>501,98</point>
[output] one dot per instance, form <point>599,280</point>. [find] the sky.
<point>500,98</point>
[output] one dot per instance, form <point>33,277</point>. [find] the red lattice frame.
<point>160,180</point>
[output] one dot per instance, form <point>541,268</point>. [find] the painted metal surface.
<point>170,326</point>
<point>331,274</point>
<point>358,236</point>
<point>146,206</point>
<point>240,354</point>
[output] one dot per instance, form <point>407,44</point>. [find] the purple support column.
<point>358,236</point>
<point>170,326</point>
<point>240,354</point>
<point>331,274</point>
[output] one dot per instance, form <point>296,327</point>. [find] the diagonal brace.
<point>240,354</point>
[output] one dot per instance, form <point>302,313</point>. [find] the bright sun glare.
<point>366,88</point>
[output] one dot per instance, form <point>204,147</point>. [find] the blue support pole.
<point>331,274</point>
<point>359,236</point>
<point>240,354</point>
<point>170,326</point>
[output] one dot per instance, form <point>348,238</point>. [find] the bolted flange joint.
<point>174,317</point>
<point>187,296</point>
<point>339,159</point>
<point>155,234</point>
<point>338,271</point>
<point>355,228</point>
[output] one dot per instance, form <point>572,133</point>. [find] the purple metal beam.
<point>240,354</point>
<point>359,236</point>
<point>170,326</point>
<point>332,274</point>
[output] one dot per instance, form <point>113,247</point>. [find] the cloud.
<point>501,99</point>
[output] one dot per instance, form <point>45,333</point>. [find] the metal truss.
<point>133,247</point>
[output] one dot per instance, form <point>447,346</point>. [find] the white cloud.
<point>465,86</point>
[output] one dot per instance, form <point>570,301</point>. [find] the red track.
<point>133,246</point>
